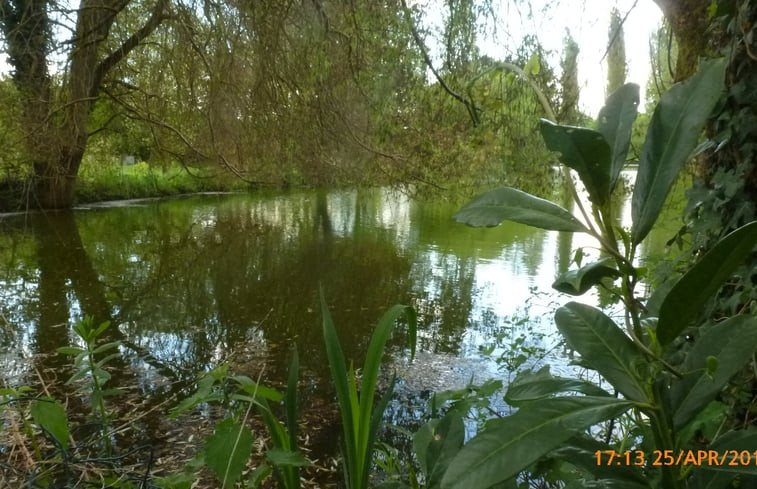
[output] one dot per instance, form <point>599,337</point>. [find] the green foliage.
<point>90,365</point>
<point>685,300</point>
<point>616,53</point>
<point>227,450</point>
<point>436,443</point>
<point>587,152</point>
<point>360,419</point>
<point>579,281</point>
<point>615,123</point>
<point>493,207</point>
<point>570,91</point>
<point>676,388</point>
<point>110,181</point>
<point>510,444</point>
<point>50,415</point>
<point>604,347</point>
<point>673,132</point>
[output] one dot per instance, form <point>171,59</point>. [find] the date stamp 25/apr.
<point>664,458</point>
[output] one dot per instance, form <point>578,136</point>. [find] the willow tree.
<point>57,107</point>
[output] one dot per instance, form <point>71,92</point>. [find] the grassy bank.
<point>141,181</point>
<point>116,182</point>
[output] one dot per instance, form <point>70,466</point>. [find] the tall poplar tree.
<point>616,53</point>
<point>568,113</point>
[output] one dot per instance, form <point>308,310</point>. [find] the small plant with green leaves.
<point>46,413</point>
<point>361,415</point>
<point>668,364</point>
<point>227,452</point>
<point>90,366</point>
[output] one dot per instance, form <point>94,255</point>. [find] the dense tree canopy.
<point>277,92</point>
<point>283,92</point>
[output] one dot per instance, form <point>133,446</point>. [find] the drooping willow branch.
<point>470,105</point>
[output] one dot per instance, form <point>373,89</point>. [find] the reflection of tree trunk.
<point>53,312</point>
<point>322,218</point>
<point>62,258</point>
<point>62,246</point>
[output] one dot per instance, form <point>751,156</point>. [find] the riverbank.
<point>137,181</point>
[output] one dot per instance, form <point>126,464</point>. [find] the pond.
<point>193,282</point>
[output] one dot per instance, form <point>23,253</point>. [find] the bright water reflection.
<point>195,281</point>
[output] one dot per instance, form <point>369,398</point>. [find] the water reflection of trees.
<point>190,282</point>
<point>197,282</point>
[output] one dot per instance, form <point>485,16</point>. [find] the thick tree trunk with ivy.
<point>690,21</point>
<point>56,116</point>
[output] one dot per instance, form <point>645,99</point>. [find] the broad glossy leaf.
<point>690,293</point>
<point>673,132</point>
<point>51,416</point>
<point>511,444</point>
<point>604,346</point>
<point>615,122</point>
<point>732,342</point>
<point>709,479</point>
<point>741,441</point>
<point>581,451</point>
<point>577,282</point>
<point>585,151</point>
<point>436,444</point>
<point>509,204</point>
<point>227,451</point>
<point>529,386</point>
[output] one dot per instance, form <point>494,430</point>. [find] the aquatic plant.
<point>361,415</point>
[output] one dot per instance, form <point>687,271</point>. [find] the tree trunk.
<point>55,180</point>
<point>690,22</point>
<point>57,128</point>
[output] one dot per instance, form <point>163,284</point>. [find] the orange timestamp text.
<point>665,458</point>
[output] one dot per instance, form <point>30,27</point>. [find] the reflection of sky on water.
<point>193,281</point>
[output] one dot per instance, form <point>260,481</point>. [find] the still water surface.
<point>195,281</point>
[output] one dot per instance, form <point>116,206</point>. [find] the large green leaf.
<point>509,204</point>
<point>734,443</point>
<point>436,444</point>
<point>603,346</point>
<point>581,451</point>
<point>50,415</point>
<point>529,386</point>
<point>673,132</point>
<point>585,151</point>
<point>359,419</point>
<point>227,451</point>
<point>690,293</point>
<point>509,445</point>
<point>577,282</point>
<point>732,343</point>
<point>615,123</point>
